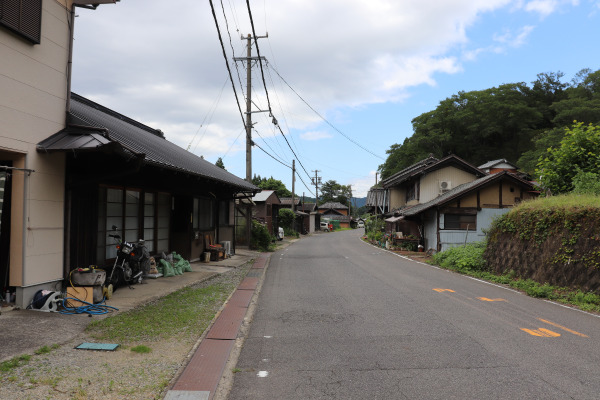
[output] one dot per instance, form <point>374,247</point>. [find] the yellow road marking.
<point>563,328</point>
<point>443,290</point>
<point>541,332</point>
<point>486,299</point>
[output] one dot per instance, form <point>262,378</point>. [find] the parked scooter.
<point>132,262</point>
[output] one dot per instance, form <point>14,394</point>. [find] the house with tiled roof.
<point>266,209</point>
<point>121,172</point>
<point>335,211</point>
<point>495,166</point>
<point>449,202</point>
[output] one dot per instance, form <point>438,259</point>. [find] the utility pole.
<point>294,192</point>
<point>376,197</point>
<point>316,180</point>
<point>248,59</point>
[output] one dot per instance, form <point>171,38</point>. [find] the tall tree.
<point>513,121</point>
<point>220,163</point>
<point>579,150</point>
<point>272,184</point>
<point>331,191</point>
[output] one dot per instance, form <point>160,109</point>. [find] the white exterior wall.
<point>430,183</point>
<point>453,238</point>
<point>33,95</point>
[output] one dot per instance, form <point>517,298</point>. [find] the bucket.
<point>206,257</point>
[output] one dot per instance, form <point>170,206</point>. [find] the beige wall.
<point>397,197</point>
<point>430,183</point>
<point>33,94</point>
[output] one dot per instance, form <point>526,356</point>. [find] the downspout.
<point>439,245</point>
<point>70,61</point>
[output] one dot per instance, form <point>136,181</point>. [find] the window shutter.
<point>23,17</point>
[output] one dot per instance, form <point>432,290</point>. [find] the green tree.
<point>586,183</point>
<point>219,163</point>
<point>286,218</point>
<point>272,184</point>
<point>331,191</point>
<point>579,150</point>
<point>478,126</point>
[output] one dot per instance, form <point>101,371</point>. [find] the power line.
<point>326,121</point>
<point>258,53</point>
<point>304,183</point>
<point>226,62</point>
<point>236,139</point>
<point>268,145</point>
<point>267,153</point>
<point>231,43</point>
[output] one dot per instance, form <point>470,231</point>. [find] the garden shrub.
<point>464,258</point>
<point>261,238</point>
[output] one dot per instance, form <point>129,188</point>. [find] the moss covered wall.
<point>558,245</point>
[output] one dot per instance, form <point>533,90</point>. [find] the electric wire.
<point>211,112</point>
<point>265,86</point>
<point>305,185</point>
<point>231,44</point>
<point>268,145</point>
<point>234,142</point>
<point>325,120</point>
<point>226,62</point>
<point>270,155</point>
<point>258,53</point>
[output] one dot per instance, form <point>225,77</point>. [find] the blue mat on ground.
<point>98,346</point>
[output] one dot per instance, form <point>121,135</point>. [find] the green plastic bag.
<point>168,268</point>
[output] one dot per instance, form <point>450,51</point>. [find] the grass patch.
<point>561,201</point>
<point>46,349</point>
<point>184,313</point>
<point>141,349</point>
<point>14,362</point>
<point>468,260</point>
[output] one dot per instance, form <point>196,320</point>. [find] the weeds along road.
<point>340,319</point>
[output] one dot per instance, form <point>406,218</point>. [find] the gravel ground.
<point>66,373</point>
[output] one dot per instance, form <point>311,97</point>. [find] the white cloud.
<point>315,135</point>
<point>514,39</point>
<point>361,186</point>
<point>547,7</point>
<point>335,54</point>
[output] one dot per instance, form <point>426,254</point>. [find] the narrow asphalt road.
<point>340,319</point>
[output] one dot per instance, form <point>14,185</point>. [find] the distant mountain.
<point>358,201</point>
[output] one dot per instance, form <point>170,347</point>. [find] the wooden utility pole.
<point>316,180</point>
<point>249,110</point>
<point>376,197</point>
<point>248,59</point>
<point>294,192</point>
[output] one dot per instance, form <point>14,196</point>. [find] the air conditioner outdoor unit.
<point>445,186</point>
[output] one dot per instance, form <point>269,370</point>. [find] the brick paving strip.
<point>202,374</point>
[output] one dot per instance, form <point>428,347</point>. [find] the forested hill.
<point>515,121</point>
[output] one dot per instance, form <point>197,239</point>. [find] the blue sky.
<point>368,68</point>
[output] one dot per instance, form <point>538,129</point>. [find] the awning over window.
<point>78,138</point>
<point>394,219</point>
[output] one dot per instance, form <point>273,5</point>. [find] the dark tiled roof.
<point>333,205</point>
<point>307,207</point>
<point>288,200</point>
<point>407,172</point>
<point>140,139</point>
<point>460,191</point>
<point>428,165</point>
